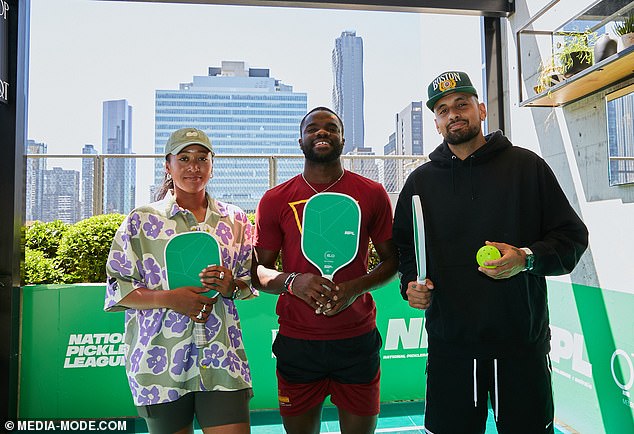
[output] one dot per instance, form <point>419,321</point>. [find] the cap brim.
<point>464,89</point>
<point>182,146</point>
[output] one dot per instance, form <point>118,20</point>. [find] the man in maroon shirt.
<point>327,343</point>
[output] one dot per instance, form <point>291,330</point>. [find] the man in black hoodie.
<point>488,328</point>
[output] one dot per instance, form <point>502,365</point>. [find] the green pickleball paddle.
<point>330,235</point>
<point>186,255</point>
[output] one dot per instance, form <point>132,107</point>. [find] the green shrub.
<point>39,269</point>
<point>84,248</point>
<point>60,253</point>
<point>45,237</point>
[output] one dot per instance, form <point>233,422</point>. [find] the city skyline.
<point>148,58</point>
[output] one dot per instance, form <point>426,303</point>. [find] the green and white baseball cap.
<point>446,83</point>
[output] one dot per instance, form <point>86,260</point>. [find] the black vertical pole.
<point>14,58</point>
<point>493,75</point>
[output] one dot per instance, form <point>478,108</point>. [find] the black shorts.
<point>349,361</point>
<point>346,369</point>
<point>520,391</point>
<point>212,408</point>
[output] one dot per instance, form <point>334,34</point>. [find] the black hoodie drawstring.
<point>471,158</point>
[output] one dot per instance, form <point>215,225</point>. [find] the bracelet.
<point>234,294</point>
<point>288,283</point>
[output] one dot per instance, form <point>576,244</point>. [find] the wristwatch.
<point>530,259</point>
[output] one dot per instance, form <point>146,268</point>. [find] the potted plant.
<point>575,52</point>
<point>625,30</point>
<point>549,75</point>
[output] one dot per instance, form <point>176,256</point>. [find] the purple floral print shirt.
<point>162,361</point>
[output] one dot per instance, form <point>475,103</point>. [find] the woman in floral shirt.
<point>172,379</point>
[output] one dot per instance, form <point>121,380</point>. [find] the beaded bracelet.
<point>288,283</point>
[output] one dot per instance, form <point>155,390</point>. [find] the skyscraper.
<point>60,199</point>
<point>389,165</point>
<point>347,91</point>
<point>409,129</point>
<point>244,111</point>
<point>87,181</point>
<point>119,173</point>
<point>364,166</point>
<point>407,140</point>
<point>35,168</point>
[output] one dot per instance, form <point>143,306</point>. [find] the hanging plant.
<point>549,75</point>
<point>575,52</point>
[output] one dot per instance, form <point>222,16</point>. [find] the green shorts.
<point>211,408</point>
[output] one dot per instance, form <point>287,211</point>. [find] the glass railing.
<point>74,187</point>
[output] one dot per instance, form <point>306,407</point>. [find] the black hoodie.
<point>499,193</point>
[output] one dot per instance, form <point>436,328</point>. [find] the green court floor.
<point>406,418</point>
<point>401,417</point>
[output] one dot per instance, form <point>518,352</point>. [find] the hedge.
<point>56,252</point>
<point>77,253</point>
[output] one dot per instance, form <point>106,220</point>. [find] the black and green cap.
<point>446,83</point>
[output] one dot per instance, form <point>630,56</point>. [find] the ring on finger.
<point>204,309</point>
<point>200,315</point>
<point>221,275</point>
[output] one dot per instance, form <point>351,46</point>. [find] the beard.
<point>462,136</point>
<point>329,157</point>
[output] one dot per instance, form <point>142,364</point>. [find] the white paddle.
<point>419,239</point>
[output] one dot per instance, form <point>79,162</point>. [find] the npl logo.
<point>412,336</point>
<point>627,377</point>
<point>569,346</point>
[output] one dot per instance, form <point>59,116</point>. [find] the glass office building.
<point>87,181</point>
<point>35,168</point>
<point>244,111</point>
<point>120,173</point>
<point>60,198</point>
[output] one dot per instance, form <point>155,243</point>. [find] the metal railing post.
<point>98,186</point>
<point>272,171</point>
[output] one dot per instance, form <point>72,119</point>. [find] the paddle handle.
<point>200,338</point>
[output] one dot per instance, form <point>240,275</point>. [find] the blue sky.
<point>84,52</point>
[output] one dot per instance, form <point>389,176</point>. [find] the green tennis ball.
<point>487,253</point>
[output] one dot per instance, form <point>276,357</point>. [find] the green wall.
<point>593,354</point>
<point>59,380</point>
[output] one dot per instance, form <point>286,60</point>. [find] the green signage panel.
<point>72,354</point>
<point>72,362</point>
<point>83,348</point>
<point>593,357</point>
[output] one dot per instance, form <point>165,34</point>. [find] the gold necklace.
<point>327,188</point>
